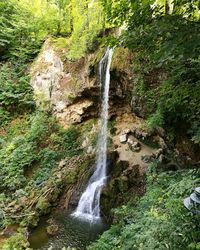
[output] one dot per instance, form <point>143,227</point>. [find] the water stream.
<point>86,224</point>
<point>89,204</point>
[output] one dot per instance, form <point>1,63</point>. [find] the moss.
<point>121,59</point>
<point>29,220</point>
<point>71,177</point>
<point>69,96</point>
<point>60,42</point>
<point>96,57</point>
<point>84,166</point>
<point>123,183</point>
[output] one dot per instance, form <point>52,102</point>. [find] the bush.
<point>158,220</point>
<point>34,143</point>
<point>16,242</point>
<point>16,95</point>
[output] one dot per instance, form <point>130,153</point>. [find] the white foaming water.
<point>89,203</point>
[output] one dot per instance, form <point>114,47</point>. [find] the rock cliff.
<point>70,89</point>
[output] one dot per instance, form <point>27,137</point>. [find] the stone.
<point>90,150</point>
<point>147,158</point>
<point>162,143</point>
<point>144,135</point>
<point>139,133</point>
<point>137,149</point>
<point>62,163</point>
<point>197,191</point>
<point>158,152</point>
<point>130,141</point>
<point>134,145</point>
<point>133,130</point>
<point>74,113</point>
<point>138,106</point>
<point>123,138</point>
<point>161,158</point>
<point>126,131</point>
<point>52,229</point>
<point>85,142</point>
<point>160,131</point>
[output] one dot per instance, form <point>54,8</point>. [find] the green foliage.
<point>15,92</point>
<point>70,141</point>
<point>47,159</point>
<point>17,241</point>
<point>158,220</point>
<point>155,120</point>
<point>88,20</point>
<point>35,144</point>
<point>21,38</point>
<point>16,39</point>
<point>165,38</point>
<point>196,138</point>
<point>14,158</point>
<point>116,11</point>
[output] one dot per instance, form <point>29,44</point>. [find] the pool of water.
<point>72,232</point>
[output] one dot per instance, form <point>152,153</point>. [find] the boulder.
<point>140,133</point>
<point>90,150</point>
<point>162,143</point>
<point>52,229</point>
<point>123,138</point>
<point>138,106</point>
<point>148,158</point>
<point>85,142</point>
<point>126,131</point>
<point>134,145</point>
<point>158,152</point>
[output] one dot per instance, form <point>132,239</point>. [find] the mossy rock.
<point>123,183</point>
<point>121,59</point>
<point>71,177</point>
<point>52,229</point>
<point>42,204</point>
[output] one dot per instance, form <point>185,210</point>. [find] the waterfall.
<point>89,204</point>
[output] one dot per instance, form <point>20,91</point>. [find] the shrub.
<point>158,220</point>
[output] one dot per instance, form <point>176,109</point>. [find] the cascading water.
<point>89,203</point>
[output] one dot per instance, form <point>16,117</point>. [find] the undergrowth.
<point>159,219</point>
<point>30,148</point>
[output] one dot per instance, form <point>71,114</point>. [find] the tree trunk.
<point>167,8</point>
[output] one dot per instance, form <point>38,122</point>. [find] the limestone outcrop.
<point>71,89</point>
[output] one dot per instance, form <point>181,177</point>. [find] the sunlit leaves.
<point>88,20</point>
